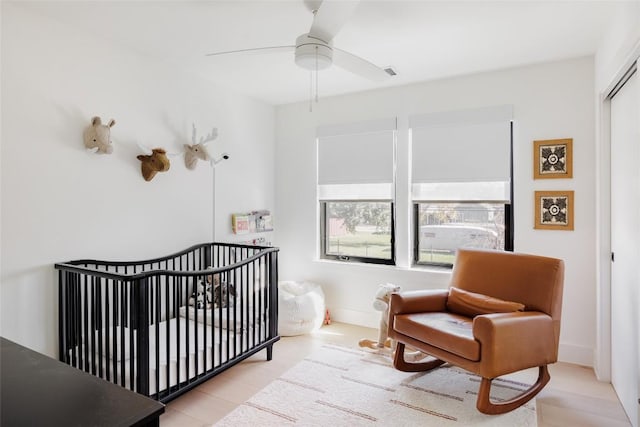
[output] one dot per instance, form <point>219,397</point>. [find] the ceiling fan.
<point>315,50</point>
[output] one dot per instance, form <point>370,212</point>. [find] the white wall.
<point>61,203</point>
<point>619,41</point>
<point>550,101</point>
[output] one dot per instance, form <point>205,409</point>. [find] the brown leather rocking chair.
<point>501,314</point>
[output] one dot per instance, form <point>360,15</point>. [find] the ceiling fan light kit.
<point>312,53</point>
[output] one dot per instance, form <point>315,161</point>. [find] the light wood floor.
<point>573,397</point>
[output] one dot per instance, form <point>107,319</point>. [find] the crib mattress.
<point>201,348</point>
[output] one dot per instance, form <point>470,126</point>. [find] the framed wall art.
<point>554,210</point>
<point>553,158</point>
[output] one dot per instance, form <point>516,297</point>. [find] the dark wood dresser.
<point>36,390</point>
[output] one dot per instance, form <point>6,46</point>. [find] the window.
<point>358,231</point>
<point>442,227</point>
<point>356,177</point>
<point>461,183</point>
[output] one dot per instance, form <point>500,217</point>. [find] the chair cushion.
<point>448,331</point>
<point>472,304</point>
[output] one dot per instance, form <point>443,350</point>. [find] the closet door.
<point>625,244</point>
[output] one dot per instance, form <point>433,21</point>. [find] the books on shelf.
<point>240,223</point>
<point>258,241</point>
<point>252,222</point>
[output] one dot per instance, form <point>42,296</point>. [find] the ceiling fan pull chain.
<point>310,91</point>
<point>316,74</point>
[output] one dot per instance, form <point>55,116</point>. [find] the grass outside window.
<point>358,231</point>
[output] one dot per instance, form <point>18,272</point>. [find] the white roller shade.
<point>454,191</point>
<point>356,161</point>
<point>463,155</point>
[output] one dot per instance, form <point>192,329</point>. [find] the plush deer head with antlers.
<point>156,161</point>
<point>198,151</point>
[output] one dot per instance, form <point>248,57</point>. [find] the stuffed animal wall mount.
<point>198,150</point>
<point>384,343</point>
<point>153,161</point>
<point>97,137</point>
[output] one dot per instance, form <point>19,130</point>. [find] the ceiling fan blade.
<point>330,17</point>
<point>359,66</point>
<point>270,49</point>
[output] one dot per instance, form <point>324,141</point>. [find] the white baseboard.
<point>353,317</point>
<point>577,354</point>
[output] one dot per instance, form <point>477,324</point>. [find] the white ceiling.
<point>422,40</point>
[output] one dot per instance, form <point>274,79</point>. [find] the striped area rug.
<point>338,386</point>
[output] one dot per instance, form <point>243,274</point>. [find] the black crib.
<point>163,326</point>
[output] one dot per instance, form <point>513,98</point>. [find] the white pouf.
<point>301,307</point>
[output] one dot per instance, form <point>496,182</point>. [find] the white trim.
<point>576,354</point>
<point>633,56</point>
<point>368,319</point>
<point>602,356</point>
<point>602,353</point>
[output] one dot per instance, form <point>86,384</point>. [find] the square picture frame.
<point>554,210</point>
<point>553,158</point>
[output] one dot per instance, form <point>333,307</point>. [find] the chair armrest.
<point>510,342</point>
<point>418,301</point>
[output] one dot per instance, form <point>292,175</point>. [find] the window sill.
<point>365,265</point>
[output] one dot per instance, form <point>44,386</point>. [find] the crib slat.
<point>251,305</point>
<point>231,279</point>
<point>108,327</point>
<point>70,316</point>
<point>62,344</point>
<point>85,332</point>
<point>114,335</point>
<point>100,331</point>
<point>219,345</point>
<point>212,330</point>
<point>142,339</point>
<point>195,327</point>
<point>168,340</point>
<point>260,299</point>
<point>73,316</point>
<point>132,329</point>
<point>157,329</point>
<point>105,324</point>
<point>186,338</point>
<point>123,322</point>
<point>92,314</point>
<point>178,320</point>
<point>204,328</point>
<point>256,305</point>
<point>273,300</point>
<point>243,292</point>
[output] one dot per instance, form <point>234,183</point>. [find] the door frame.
<point>602,353</point>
